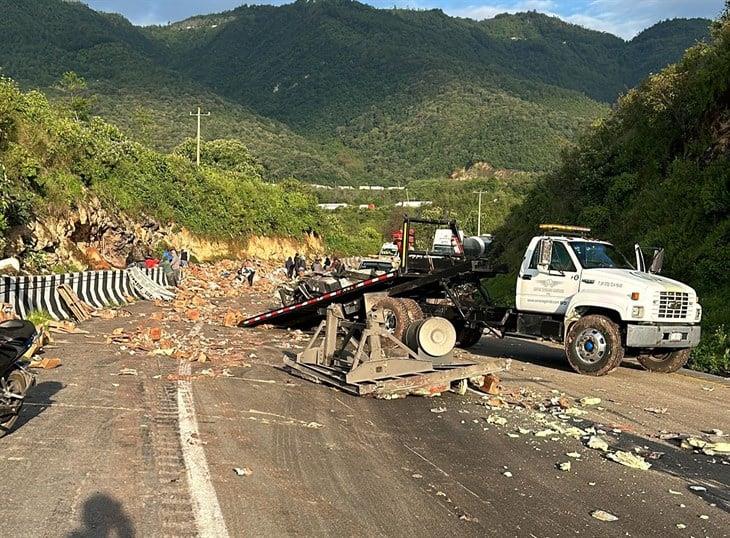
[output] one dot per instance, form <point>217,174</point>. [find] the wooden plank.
<point>80,310</point>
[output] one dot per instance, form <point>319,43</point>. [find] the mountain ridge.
<point>338,91</point>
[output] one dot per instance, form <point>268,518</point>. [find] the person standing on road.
<point>289,266</point>
<point>175,266</point>
<point>327,263</point>
<point>317,265</point>
<point>249,271</point>
<point>301,262</point>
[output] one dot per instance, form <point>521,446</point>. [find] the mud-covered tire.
<point>413,308</point>
<point>467,337</point>
<point>593,345</point>
<point>397,318</point>
<point>666,363</point>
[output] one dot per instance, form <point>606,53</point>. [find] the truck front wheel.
<point>593,345</point>
<point>668,362</point>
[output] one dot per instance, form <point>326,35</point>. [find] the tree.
<point>75,89</point>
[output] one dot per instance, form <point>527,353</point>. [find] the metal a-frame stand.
<point>364,358</point>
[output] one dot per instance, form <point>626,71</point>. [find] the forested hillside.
<point>655,171</point>
<point>335,91</point>
<point>51,162</point>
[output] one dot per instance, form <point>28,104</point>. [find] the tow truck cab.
<point>584,293</point>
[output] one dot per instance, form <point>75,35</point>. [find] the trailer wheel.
<point>467,337</point>
<point>668,362</point>
<point>414,309</point>
<point>396,315</point>
<point>593,345</point>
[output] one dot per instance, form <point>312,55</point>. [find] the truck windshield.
<point>599,256</point>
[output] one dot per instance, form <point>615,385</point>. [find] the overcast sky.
<point>621,17</point>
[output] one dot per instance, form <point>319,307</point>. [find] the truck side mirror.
<point>639,254</point>
<point>657,262</point>
<point>545,254</point>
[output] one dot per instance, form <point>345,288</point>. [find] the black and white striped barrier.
<point>97,288</point>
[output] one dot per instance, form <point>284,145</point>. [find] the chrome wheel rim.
<point>390,321</point>
<point>591,346</point>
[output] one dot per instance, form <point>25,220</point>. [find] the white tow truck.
<point>571,289</point>
<point>584,293</point>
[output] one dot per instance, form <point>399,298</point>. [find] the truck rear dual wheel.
<point>399,314</point>
<point>593,345</point>
<point>667,362</point>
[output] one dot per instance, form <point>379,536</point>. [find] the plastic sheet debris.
<point>589,400</point>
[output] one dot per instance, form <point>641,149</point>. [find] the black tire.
<point>413,308</point>
<point>467,337</point>
<point>593,345</point>
<point>396,314</point>
<point>17,383</point>
<point>667,362</point>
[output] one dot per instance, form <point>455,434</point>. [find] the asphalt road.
<point>99,454</point>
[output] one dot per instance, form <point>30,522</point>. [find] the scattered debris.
<point>496,419</point>
<point>706,447</point>
<point>597,443</point>
<point>656,410</point>
<point>602,515</point>
<point>127,371</point>
<point>573,455</point>
<point>629,460</point>
<point>245,471</point>
<point>698,488</point>
<point>507,474</point>
<point>565,466</point>
<point>45,364</point>
<point>491,385</point>
<point>438,409</point>
<point>589,400</point>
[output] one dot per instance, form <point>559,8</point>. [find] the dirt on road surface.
<point>132,439</point>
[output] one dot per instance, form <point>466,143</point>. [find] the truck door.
<point>547,292</point>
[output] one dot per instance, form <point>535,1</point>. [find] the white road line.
<point>208,515</point>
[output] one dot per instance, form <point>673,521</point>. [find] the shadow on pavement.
<point>104,516</point>
<point>530,351</point>
<point>534,352</point>
<point>39,399</point>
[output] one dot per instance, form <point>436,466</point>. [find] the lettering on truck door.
<point>548,292</point>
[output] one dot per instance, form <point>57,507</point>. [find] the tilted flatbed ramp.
<point>299,312</point>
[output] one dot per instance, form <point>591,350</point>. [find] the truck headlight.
<point>637,312</point>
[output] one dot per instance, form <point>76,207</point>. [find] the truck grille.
<point>673,304</point>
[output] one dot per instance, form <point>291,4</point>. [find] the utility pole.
<point>479,214</point>
<point>198,114</point>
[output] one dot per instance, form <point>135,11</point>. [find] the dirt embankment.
<point>90,236</point>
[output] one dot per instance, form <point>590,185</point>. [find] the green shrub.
<point>713,353</point>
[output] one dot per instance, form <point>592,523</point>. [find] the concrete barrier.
<point>97,288</point>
